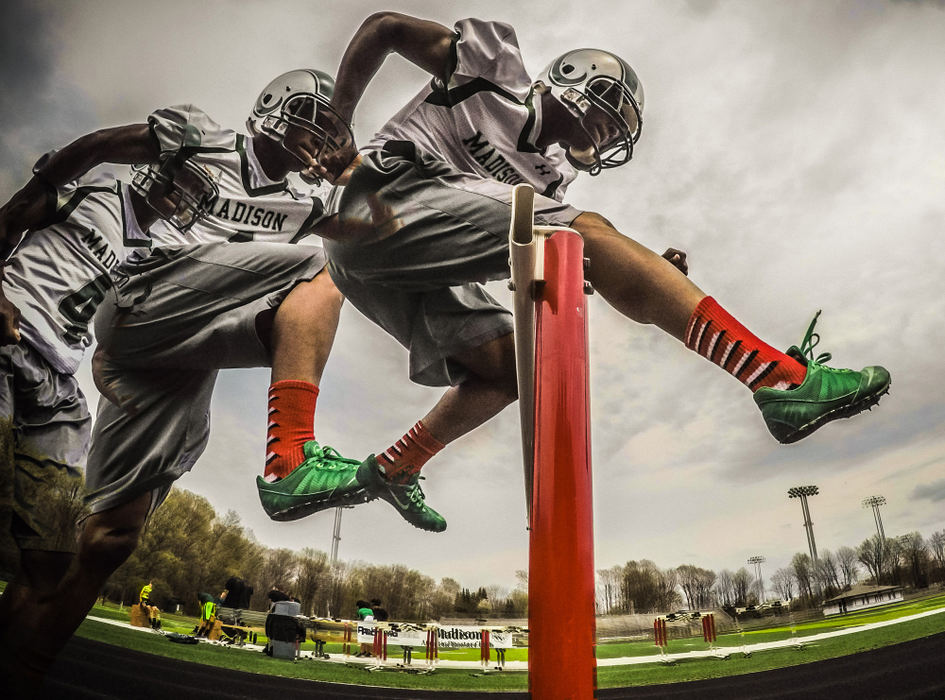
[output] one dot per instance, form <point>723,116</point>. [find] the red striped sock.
<point>407,456</point>
<point>720,338</point>
<point>291,425</point>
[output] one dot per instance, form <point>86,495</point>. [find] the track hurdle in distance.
<point>708,629</point>
<point>431,651</point>
<point>552,360</point>
<point>379,647</point>
<point>659,633</point>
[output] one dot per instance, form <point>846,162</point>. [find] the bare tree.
<point>937,547</point>
<point>803,574</point>
<point>874,553</point>
<point>783,582</point>
<point>696,584</point>
<point>280,570</point>
<point>915,555</point>
<point>668,597</point>
<point>313,580</point>
<point>741,582</point>
<point>827,573</point>
<point>498,597</point>
<point>725,588</point>
<point>608,591</point>
<point>849,566</point>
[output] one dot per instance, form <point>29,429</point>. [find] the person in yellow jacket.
<point>144,600</point>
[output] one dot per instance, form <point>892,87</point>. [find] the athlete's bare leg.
<point>303,330</point>
<point>106,540</point>
<point>39,576</point>
<point>634,280</point>
<point>490,388</point>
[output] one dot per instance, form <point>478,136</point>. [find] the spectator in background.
<point>365,614</point>
<point>276,595</point>
<point>150,609</point>
<point>380,614</point>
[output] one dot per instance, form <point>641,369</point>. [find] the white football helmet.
<point>179,190</point>
<point>301,98</point>
<point>584,78</point>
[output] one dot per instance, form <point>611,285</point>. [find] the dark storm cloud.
<point>36,113</point>
<point>26,51</point>
<point>934,491</point>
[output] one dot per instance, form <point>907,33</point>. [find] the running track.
<point>88,669</point>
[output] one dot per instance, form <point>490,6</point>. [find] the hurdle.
<point>550,308</point>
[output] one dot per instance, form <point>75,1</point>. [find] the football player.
<point>76,237</point>
<point>237,291</point>
<point>442,170</point>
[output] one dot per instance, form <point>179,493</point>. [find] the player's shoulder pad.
<point>487,32</point>
<point>488,50</point>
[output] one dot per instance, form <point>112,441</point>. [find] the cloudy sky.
<point>795,150</point>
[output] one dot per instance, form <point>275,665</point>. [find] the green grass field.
<point>616,676</point>
<point>608,676</point>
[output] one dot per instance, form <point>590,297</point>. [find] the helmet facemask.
<point>295,110</point>
<point>177,189</point>
<point>310,129</point>
<point>623,124</point>
<point>602,91</point>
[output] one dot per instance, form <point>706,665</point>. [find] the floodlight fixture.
<point>800,491</point>
<point>875,502</point>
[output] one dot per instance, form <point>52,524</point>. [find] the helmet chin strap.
<point>586,159</point>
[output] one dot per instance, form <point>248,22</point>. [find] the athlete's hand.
<point>332,166</point>
<point>9,322</point>
<point>678,259</point>
<point>105,388</point>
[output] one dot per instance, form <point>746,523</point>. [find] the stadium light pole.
<point>335,541</point>
<point>758,560</point>
<point>875,502</point>
<point>802,492</point>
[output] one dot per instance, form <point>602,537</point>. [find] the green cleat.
<point>324,480</point>
<point>825,395</point>
<point>407,498</point>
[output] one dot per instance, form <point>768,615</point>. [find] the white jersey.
<point>58,275</point>
<point>251,206</point>
<point>487,118</point>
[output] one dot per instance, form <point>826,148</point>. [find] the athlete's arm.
<point>28,208</point>
<point>422,42</point>
<point>131,144</point>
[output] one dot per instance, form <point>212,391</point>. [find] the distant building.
<point>861,597</point>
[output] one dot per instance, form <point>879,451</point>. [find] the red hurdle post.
<point>561,620</point>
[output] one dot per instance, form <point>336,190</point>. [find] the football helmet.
<point>301,98</point>
<point>178,189</point>
<point>586,78</point>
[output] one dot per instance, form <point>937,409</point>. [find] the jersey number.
<point>79,307</point>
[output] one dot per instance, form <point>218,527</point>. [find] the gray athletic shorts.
<point>44,438</point>
<point>173,320</point>
<point>420,238</point>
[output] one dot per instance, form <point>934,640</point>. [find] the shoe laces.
<point>811,341</point>
<point>415,493</point>
<point>332,459</point>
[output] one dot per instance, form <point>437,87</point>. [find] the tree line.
<point>910,561</point>
<point>188,549</point>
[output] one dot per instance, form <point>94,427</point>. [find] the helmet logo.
<point>267,103</point>
<point>560,73</point>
